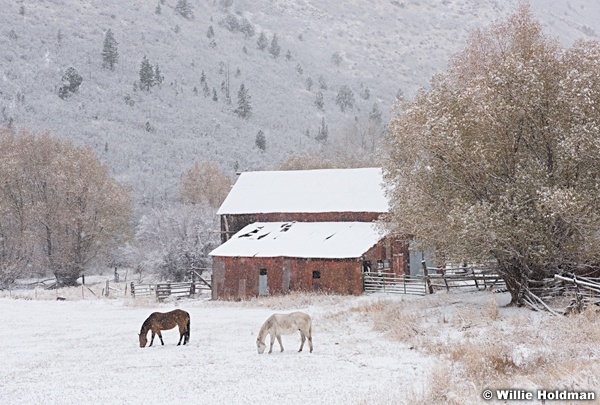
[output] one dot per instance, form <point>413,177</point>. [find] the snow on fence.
<point>580,292</point>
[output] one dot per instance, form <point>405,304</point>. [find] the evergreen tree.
<point>345,98</point>
<point>215,97</point>
<point>323,132</point>
<point>71,81</point>
<point>288,55</point>
<point>322,82</point>
<point>274,49</point>
<point>262,42</point>
<point>309,83</point>
<point>184,8</point>
<point>319,103</point>
<point>247,28</point>
<point>146,75</point>
<point>210,33</point>
<point>110,54</point>
<point>365,93</point>
<point>244,109</point>
<point>157,10</point>
<point>375,115</point>
<point>158,77</point>
<point>261,141</point>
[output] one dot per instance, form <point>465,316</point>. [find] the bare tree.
<point>498,161</point>
<point>173,241</point>
<point>59,206</point>
<point>205,182</point>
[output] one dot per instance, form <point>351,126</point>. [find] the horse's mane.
<point>145,326</point>
<point>265,328</point>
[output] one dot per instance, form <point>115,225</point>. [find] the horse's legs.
<point>279,340</point>
<point>271,346</point>
<point>160,336</point>
<point>152,340</point>
<point>310,342</point>
<point>302,338</point>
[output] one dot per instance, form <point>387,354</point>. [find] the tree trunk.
<point>67,277</point>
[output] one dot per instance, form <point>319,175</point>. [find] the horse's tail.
<point>187,330</point>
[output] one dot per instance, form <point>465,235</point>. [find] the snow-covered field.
<point>87,351</point>
<point>367,350</point>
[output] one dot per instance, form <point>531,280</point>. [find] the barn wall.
<point>231,224</point>
<point>390,256</point>
<point>238,277</point>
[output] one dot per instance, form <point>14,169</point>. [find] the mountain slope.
<point>149,138</point>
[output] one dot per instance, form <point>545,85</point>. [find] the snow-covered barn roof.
<point>307,191</point>
<point>325,240</point>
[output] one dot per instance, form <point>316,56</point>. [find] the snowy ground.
<point>443,348</point>
<point>86,351</point>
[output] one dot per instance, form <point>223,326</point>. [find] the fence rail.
<point>163,291</point>
<point>434,280</point>
<point>391,283</point>
<point>462,277</point>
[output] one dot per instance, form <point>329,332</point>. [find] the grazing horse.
<point>158,321</point>
<point>285,324</point>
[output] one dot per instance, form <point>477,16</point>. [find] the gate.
<point>375,282</point>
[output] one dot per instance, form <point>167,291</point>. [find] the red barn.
<point>303,230</point>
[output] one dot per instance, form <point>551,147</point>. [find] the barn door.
<point>316,280</point>
<point>262,282</point>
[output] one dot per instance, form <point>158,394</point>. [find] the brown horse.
<point>158,321</point>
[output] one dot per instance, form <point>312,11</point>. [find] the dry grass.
<point>481,344</point>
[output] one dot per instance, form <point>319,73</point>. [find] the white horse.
<point>285,324</point>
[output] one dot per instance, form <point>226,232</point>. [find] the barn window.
<point>263,272</point>
<point>316,274</point>
<point>379,264</point>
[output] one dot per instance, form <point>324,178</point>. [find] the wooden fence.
<point>434,280</point>
<point>464,277</point>
<point>163,291</point>
<point>574,292</point>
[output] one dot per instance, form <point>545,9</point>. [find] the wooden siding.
<point>237,278</point>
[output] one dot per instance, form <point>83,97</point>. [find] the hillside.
<point>149,138</point>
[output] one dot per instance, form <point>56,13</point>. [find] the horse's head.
<point>260,346</point>
<point>143,340</point>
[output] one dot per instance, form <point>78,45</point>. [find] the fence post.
<point>428,285</point>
